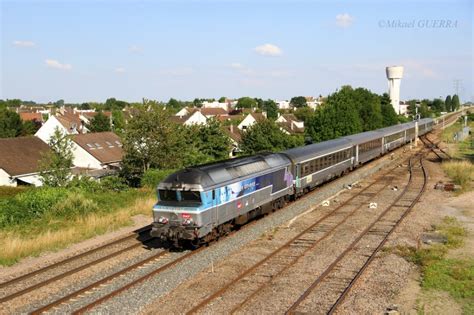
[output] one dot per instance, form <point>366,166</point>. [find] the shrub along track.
<point>248,284</point>
<point>44,276</point>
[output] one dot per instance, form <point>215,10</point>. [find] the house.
<point>235,137</point>
<point>283,104</point>
<point>192,118</point>
<point>290,124</point>
<point>67,121</point>
<point>29,116</point>
<point>224,106</point>
<point>19,160</point>
<point>207,112</point>
<point>87,116</point>
<point>97,150</point>
<point>251,119</point>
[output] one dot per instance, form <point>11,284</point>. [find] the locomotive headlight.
<point>163,220</point>
<point>188,221</point>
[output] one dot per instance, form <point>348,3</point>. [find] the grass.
<point>460,172</point>
<point>454,276</point>
<point>54,233</point>
<point>463,149</point>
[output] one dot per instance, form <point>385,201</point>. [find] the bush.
<point>113,183</point>
<point>152,177</point>
<point>74,205</point>
<point>7,191</point>
<point>85,183</point>
<point>32,204</point>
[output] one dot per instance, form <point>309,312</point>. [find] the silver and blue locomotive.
<point>201,203</point>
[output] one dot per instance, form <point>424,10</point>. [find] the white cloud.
<point>268,50</point>
<point>23,43</point>
<point>344,20</point>
<point>57,65</point>
<point>135,49</point>
<point>119,70</point>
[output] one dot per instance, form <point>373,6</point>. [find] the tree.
<point>112,103</point>
<point>30,127</point>
<point>298,101</point>
<point>369,107</point>
<point>10,124</point>
<point>246,102</point>
<point>211,141</point>
<point>455,102</point>
<point>55,166</point>
<point>197,102</point>
<point>338,117</point>
<point>304,113</point>
<point>99,123</point>
<point>271,108</point>
<point>59,103</point>
<point>118,121</point>
<point>267,136</point>
<point>85,106</point>
<point>259,102</point>
<point>223,99</point>
<point>389,116</point>
<point>151,140</point>
<point>438,105</point>
<point>448,103</point>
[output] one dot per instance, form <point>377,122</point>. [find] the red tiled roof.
<point>31,116</point>
<point>213,111</point>
<point>235,134</point>
<point>104,146</point>
<point>21,155</point>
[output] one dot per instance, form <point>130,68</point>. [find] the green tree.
<point>298,101</point>
<point>55,166</point>
<point>99,123</point>
<point>222,99</point>
<point>369,108</point>
<point>85,106</point>
<point>448,103</point>
<point>389,116</point>
<point>271,108</point>
<point>338,117</point>
<point>10,124</point>
<point>438,105</point>
<point>151,140</point>
<point>211,141</point>
<point>456,104</point>
<point>304,114</point>
<point>30,127</point>
<point>118,121</point>
<point>59,103</point>
<point>267,136</point>
<point>246,102</point>
<point>197,102</point>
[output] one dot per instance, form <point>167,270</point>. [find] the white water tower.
<point>394,76</point>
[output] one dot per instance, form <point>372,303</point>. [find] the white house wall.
<point>32,179</point>
<point>5,179</point>
<point>247,122</point>
<point>196,119</point>
<point>47,130</point>
<point>82,158</point>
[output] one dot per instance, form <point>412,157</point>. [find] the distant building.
<point>28,116</point>
<point>251,119</point>
<point>97,150</point>
<point>68,121</point>
<point>19,161</point>
<point>290,124</point>
<point>194,118</point>
<point>224,106</point>
<point>394,76</point>
<point>283,104</point>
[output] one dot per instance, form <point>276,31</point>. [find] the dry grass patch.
<point>15,246</point>
<point>461,172</point>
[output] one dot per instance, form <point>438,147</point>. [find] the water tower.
<point>394,76</point>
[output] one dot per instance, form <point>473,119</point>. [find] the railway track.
<point>247,285</point>
<point>329,290</point>
<point>39,278</point>
<point>434,147</point>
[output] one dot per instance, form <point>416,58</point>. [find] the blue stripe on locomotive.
<point>280,179</point>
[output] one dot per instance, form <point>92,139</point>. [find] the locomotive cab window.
<point>191,196</point>
<point>167,195</point>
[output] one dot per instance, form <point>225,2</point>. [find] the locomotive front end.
<point>180,213</point>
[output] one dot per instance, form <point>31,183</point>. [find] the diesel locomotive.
<point>201,203</point>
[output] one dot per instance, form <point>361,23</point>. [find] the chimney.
<point>291,124</point>
<point>231,128</point>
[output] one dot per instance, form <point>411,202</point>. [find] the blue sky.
<point>90,50</point>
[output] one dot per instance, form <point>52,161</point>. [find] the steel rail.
<point>264,260</point>
<point>72,258</point>
<point>331,267</point>
<point>344,294</point>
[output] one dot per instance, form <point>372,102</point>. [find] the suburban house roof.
<point>290,117</point>
<point>70,121</point>
<point>290,127</point>
<point>106,147</point>
<point>90,115</point>
<point>213,111</point>
<point>258,116</point>
<point>21,155</point>
<point>26,116</point>
<point>233,132</point>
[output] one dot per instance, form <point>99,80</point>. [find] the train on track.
<point>199,204</point>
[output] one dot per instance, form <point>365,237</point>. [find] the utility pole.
<point>457,84</point>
